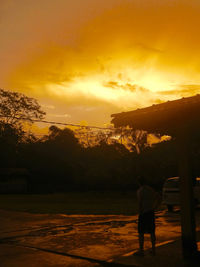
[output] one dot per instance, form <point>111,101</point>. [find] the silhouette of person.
<point>148,200</point>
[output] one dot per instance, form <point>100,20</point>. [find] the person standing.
<point>148,200</point>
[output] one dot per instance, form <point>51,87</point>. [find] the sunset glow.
<point>105,56</point>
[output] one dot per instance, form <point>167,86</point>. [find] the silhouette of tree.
<point>9,140</point>
<point>88,137</point>
<point>61,138</point>
<point>53,160</point>
<point>16,107</point>
<point>134,140</point>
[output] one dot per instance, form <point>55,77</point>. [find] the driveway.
<point>76,240</point>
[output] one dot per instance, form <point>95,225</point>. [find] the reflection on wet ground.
<point>96,238</point>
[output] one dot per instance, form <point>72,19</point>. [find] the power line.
<point>62,123</point>
<point>72,124</point>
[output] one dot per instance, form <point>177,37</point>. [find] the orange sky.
<point>87,59</point>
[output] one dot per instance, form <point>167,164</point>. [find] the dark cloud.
<point>148,48</point>
<point>127,86</point>
<point>112,84</point>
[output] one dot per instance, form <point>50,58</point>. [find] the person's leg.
<point>153,242</point>
<point>140,252</point>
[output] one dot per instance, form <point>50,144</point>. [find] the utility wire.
<point>62,123</point>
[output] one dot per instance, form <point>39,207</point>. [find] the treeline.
<point>58,162</point>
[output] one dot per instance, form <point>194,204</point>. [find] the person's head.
<point>141,181</point>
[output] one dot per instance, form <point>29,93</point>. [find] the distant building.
<point>13,180</point>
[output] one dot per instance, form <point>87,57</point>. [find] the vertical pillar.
<point>189,246</point>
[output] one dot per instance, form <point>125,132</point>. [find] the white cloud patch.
<point>60,115</point>
<point>48,106</point>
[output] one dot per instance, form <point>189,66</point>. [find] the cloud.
<point>183,90</point>
<point>106,36</point>
<point>149,49</point>
<point>60,115</point>
<point>126,86</point>
<point>48,106</point>
<point>113,55</point>
<point>112,84</point>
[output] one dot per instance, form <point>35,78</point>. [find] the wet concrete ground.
<point>76,240</point>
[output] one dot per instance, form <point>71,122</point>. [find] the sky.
<point>87,59</point>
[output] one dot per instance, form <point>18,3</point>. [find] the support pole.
<point>189,246</point>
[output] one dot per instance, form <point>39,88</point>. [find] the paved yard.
<point>75,240</point>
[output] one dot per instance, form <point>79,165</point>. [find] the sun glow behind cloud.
<point>115,89</point>
<point>104,55</point>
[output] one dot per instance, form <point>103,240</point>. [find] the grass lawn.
<point>73,203</point>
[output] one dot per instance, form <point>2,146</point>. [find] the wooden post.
<point>189,246</point>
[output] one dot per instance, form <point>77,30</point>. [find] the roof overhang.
<point>163,118</point>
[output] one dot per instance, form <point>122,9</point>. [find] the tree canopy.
<point>16,107</point>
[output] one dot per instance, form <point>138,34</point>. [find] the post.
<point>189,246</point>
